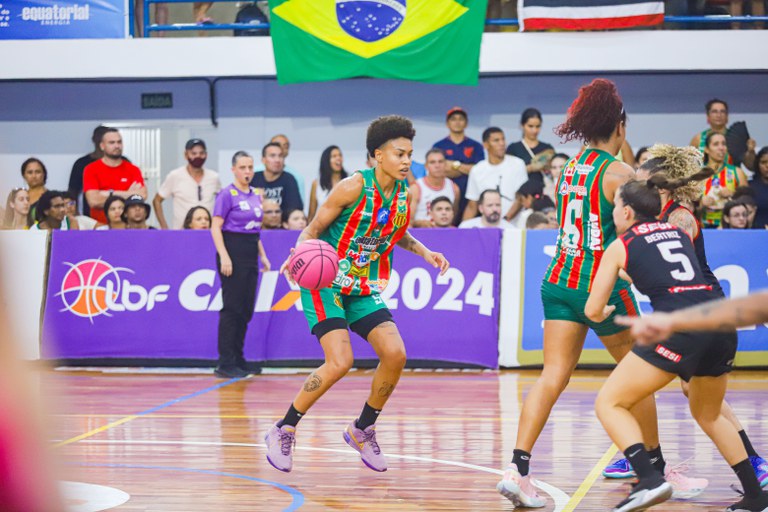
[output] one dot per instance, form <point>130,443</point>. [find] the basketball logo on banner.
<point>86,286</point>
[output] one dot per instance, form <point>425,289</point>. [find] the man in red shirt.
<point>111,175</point>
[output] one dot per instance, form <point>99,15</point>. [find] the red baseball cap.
<point>456,110</point>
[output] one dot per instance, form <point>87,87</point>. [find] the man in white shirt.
<point>432,186</point>
<point>188,186</point>
<point>502,172</point>
<point>490,212</point>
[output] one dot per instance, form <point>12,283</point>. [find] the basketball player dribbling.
<point>363,218</point>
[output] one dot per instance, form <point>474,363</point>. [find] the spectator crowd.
<point>492,183</point>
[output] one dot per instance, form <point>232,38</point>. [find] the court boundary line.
<point>589,481</point>
<point>146,412</point>
<point>559,496</point>
<point>297,497</point>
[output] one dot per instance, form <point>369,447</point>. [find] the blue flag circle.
<point>368,20</point>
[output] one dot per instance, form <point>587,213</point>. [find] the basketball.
<point>314,264</point>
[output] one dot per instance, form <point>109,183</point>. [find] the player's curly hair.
<point>672,164</point>
<point>387,128</point>
<point>594,114</point>
<point>643,196</point>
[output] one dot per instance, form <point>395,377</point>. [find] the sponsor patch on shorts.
<point>668,354</point>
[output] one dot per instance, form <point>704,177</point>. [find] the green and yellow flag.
<point>436,41</point>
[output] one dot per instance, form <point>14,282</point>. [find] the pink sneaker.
<point>280,442</point>
<point>684,488</point>
<point>364,441</point>
<point>519,489</point>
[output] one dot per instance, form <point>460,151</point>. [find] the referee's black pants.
<point>238,294</point>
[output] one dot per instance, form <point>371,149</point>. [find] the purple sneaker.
<point>280,443</point>
<point>364,441</point>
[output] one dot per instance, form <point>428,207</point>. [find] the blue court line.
<point>132,417</point>
<point>296,496</point>
<point>187,397</point>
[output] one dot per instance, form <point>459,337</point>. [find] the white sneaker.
<point>519,489</point>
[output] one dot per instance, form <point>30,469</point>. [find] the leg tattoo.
<point>313,383</point>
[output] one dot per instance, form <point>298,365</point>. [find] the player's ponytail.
<point>676,163</point>
<point>663,181</point>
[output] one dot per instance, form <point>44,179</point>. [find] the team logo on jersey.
<point>567,188</point>
<point>344,265</point>
<point>369,243</point>
<point>377,285</point>
<point>570,168</point>
<point>382,216</point>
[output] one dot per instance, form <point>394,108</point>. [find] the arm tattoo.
<point>684,221</point>
<point>313,383</point>
<point>409,243</point>
<point>386,389</point>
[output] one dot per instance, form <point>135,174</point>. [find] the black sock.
<point>641,462</point>
<point>747,477</point>
<point>747,444</point>
<point>367,417</point>
<point>292,417</point>
<point>522,460</point>
<point>657,459</point>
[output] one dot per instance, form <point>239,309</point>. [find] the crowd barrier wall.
<point>738,259</point>
<point>22,286</point>
<point>154,295</point>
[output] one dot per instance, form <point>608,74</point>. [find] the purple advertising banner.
<point>156,295</point>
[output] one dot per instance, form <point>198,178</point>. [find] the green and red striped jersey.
<point>365,234</point>
<point>586,223</point>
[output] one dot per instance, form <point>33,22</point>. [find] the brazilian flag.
<point>435,41</point>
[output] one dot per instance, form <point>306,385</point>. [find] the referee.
<point>235,229</point>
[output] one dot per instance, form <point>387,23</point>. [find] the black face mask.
<point>196,162</point>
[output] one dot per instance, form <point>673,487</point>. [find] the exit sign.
<point>157,100</point>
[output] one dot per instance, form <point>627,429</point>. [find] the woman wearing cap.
<point>236,227</point>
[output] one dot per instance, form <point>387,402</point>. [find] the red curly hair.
<point>594,114</point>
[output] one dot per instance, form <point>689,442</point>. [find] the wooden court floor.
<point>195,443</point>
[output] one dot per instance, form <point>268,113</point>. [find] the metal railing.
<point>504,22</point>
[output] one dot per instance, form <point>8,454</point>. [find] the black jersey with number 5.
<point>662,263</point>
<point>698,244</point>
